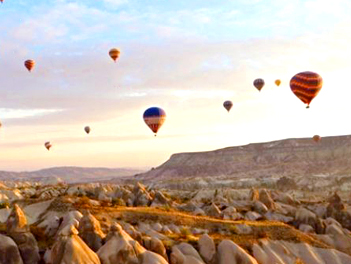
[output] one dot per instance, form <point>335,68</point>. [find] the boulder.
<point>119,247</point>
<point>185,255</point>
<point>199,212</point>
<point>70,248</point>
<point>17,221</point>
<point>254,195</point>
<point>9,253</point>
<point>90,231</point>
<point>306,229</point>
<point>229,213</point>
<point>155,245</point>
<point>212,210</point>
<point>18,230</point>
<point>231,253</point>
<point>252,216</point>
<point>142,197</point>
<point>148,257</point>
<point>266,199</point>
<point>260,207</point>
<point>207,249</point>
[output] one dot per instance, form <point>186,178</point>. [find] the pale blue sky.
<point>185,56</point>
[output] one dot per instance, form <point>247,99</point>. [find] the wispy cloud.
<point>7,113</point>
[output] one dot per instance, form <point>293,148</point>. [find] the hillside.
<point>289,157</point>
<point>69,174</point>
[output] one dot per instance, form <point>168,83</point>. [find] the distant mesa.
<point>288,157</point>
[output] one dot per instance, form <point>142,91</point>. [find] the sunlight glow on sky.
<point>187,57</point>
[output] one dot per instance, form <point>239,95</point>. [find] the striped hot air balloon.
<point>114,54</point>
<point>258,83</point>
<point>1,1</point>
<point>154,117</point>
<point>306,85</point>
<point>29,64</point>
<point>228,105</point>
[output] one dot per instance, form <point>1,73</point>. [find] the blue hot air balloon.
<point>154,117</point>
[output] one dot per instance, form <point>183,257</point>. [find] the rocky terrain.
<point>282,202</point>
<point>114,223</point>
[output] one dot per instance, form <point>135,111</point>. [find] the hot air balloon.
<point>1,1</point>
<point>48,145</point>
<point>114,54</point>
<point>154,117</point>
<point>306,85</point>
<point>277,82</point>
<point>228,105</point>
<point>0,124</point>
<point>316,138</point>
<point>87,129</point>
<point>258,83</point>
<point>29,64</point>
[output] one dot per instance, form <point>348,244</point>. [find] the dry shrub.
<point>83,203</point>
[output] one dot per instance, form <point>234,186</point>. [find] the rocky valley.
<point>279,202</point>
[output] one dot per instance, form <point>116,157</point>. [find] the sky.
<point>186,57</point>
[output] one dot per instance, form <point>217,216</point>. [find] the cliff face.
<point>289,157</point>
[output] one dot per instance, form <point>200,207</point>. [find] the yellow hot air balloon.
<point>87,129</point>
<point>48,145</point>
<point>114,54</point>
<point>277,82</point>
<point>29,64</point>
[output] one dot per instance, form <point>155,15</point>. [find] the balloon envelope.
<point>258,83</point>
<point>277,82</point>
<point>306,85</point>
<point>316,138</point>
<point>29,64</point>
<point>87,129</point>
<point>154,117</point>
<point>48,145</point>
<point>228,105</point>
<point>114,54</point>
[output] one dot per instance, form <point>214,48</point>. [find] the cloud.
<point>7,113</point>
<point>115,3</point>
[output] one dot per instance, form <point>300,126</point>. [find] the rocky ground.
<point>111,223</point>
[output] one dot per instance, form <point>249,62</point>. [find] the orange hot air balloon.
<point>48,145</point>
<point>316,138</point>
<point>87,129</point>
<point>228,105</point>
<point>277,82</point>
<point>306,85</point>
<point>29,64</point>
<point>114,54</point>
<point>258,83</point>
